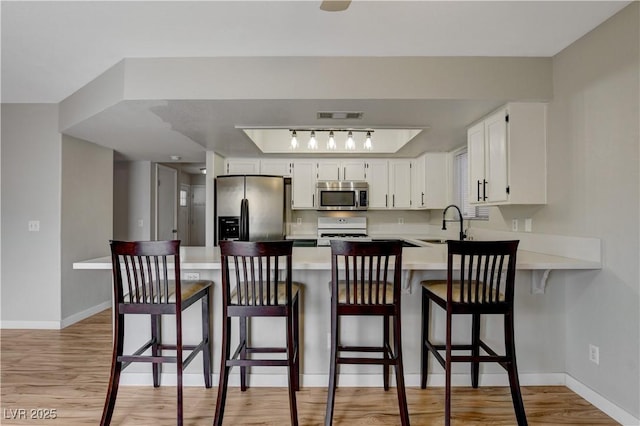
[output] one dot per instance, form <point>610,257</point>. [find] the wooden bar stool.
<point>480,281</point>
<point>144,285</point>
<point>361,286</point>
<point>255,287</point>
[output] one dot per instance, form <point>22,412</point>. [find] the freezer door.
<point>265,195</point>
<point>229,194</point>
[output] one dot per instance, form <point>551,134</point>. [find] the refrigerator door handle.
<point>244,220</point>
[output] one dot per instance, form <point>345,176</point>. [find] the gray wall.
<point>31,155</point>
<point>594,164</point>
<point>133,193</point>
<point>87,217</point>
<point>594,191</point>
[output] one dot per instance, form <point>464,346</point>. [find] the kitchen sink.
<point>434,241</point>
<point>305,243</point>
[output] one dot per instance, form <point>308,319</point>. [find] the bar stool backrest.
<point>485,271</point>
<point>256,273</point>
<point>366,272</point>
<point>142,273</point>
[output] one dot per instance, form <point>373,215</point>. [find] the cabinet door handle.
<point>478,189</point>
<point>393,198</point>
<point>484,190</point>
<point>344,173</point>
<point>422,198</point>
<point>313,200</point>
<point>386,200</point>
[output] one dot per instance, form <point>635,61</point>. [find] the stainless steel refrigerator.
<point>250,208</point>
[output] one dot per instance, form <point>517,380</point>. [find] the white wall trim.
<point>412,380</point>
<point>79,316</point>
<point>31,325</point>
<point>55,325</point>
<point>603,404</point>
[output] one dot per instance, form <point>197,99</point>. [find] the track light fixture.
<point>331,143</point>
<point>313,143</point>
<point>350,144</point>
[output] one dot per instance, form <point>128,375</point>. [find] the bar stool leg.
<point>179,367</point>
<point>475,351</point>
<point>156,336</point>
<point>296,339</point>
<point>333,367</point>
<point>447,371</point>
<point>386,344</point>
<point>116,368</point>
<point>512,370</point>
<point>206,352</point>
<point>224,372</point>
<point>402,396</point>
<point>243,352</point>
<point>291,371</point>
<point>424,352</point>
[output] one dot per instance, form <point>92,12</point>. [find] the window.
<point>461,188</point>
<point>183,198</point>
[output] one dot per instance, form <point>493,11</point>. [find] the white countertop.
<point>433,257</point>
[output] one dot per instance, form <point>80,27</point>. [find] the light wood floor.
<point>67,370</point>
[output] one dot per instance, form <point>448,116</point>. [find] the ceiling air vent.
<point>339,115</point>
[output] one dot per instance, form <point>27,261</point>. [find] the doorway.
<point>166,203</point>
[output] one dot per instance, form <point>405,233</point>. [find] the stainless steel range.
<point>341,228</point>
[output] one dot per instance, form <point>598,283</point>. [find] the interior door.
<point>184,208</point>
<point>198,217</point>
<point>166,203</point>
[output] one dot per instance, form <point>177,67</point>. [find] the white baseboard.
<point>411,380</point>
<point>79,316</point>
<point>31,325</point>
<point>603,404</point>
<point>55,325</point>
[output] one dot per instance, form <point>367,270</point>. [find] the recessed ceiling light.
<point>175,158</point>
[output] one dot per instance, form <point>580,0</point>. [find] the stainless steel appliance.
<point>342,195</point>
<point>341,228</point>
<point>249,208</point>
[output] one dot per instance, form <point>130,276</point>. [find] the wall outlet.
<point>514,225</point>
<point>528,224</point>
<point>594,354</point>
<point>140,223</point>
<point>192,275</point>
<point>401,221</point>
<point>34,226</point>
<point>329,340</point>
<point>299,221</point>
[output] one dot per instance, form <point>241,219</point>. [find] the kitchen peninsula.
<point>311,267</point>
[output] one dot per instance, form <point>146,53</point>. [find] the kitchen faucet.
<point>444,221</point>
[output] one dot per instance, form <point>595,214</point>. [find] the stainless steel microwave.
<point>342,195</point>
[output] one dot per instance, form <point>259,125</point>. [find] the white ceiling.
<point>51,49</point>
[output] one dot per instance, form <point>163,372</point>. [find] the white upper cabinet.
<point>341,170</point>
<point>328,170</point>
<point>400,183</point>
<point>303,184</point>
<point>275,167</point>
<point>507,156</point>
<point>242,166</point>
<point>352,170</point>
<point>377,175</point>
<point>430,181</point>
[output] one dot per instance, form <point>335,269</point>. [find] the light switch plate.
<point>34,226</point>
<point>528,224</point>
<point>514,225</point>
